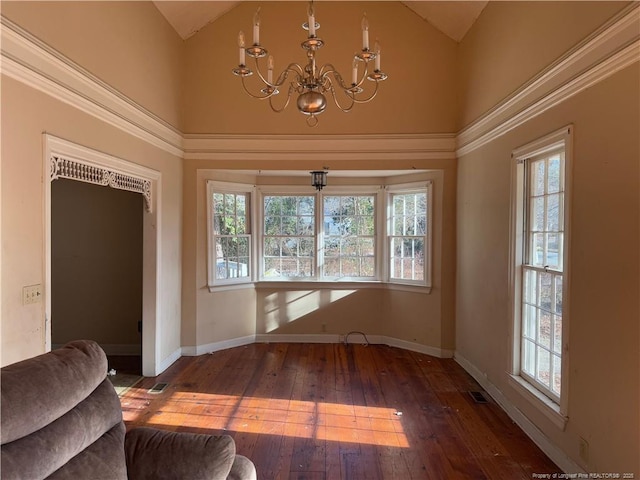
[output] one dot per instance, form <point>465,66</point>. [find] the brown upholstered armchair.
<point>61,418</point>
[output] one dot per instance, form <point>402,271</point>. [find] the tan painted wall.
<point>418,97</point>
<point>512,42</point>
<point>414,317</point>
<point>604,357</point>
<point>96,265</point>
<point>129,45</point>
<point>27,113</point>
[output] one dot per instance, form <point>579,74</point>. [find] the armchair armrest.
<point>158,454</point>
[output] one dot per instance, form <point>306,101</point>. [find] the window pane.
<point>553,213</point>
<point>306,247</point>
<point>553,251</point>
<point>543,366</point>
<point>544,329</point>
<point>537,214</point>
<point>557,374</point>
<point>554,174</point>
<point>368,267</point>
<point>538,250</point>
<point>332,267</point>
<point>305,226</point>
<point>530,314</point>
<point>557,334</point>
<point>272,267</point>
<point>538,179</point>
<point>366,247</point>
<point>558,288</point>
<point>544,300</point>
<point>289,225</point>
<point>306,206</point>
<point>530,287</point>
<point>305,268</point>
<point>528,357</point>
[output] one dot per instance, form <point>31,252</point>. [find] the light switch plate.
<point>31,294</point>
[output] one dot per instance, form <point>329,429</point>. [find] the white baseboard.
<point>354,337</point>
<point>297,338</point>
<point>418,347</point>
<point>193,351</point>
<point>170,360</point>
<point>559,457</point>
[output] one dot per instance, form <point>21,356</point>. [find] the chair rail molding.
<point>29,60</point>
<point>612,47</point>
<point>319,147</point>
<point>609,49</point>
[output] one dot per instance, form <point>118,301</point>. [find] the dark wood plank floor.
<point>330,411</point>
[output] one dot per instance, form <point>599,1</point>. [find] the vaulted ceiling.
<point>453,18</point>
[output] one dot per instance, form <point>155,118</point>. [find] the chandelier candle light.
<point>311,83</point>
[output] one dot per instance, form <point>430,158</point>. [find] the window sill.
<point>337,285</point>
<point>541,402</point>
<point>230,286</point>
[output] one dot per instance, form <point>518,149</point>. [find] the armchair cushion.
<point>167,455</point>
<point>61,419</point>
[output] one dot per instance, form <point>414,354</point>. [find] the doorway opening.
<point>96,270</point>
<point>66,161</point>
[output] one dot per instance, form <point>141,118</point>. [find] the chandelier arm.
<point>371,97</point>
<point>286,104</point>
<point>292,67</point>
<point>335,99</point>
<point>253,95</point>
<point>333,71</point>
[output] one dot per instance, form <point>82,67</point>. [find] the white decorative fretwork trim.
<point>84,172</point>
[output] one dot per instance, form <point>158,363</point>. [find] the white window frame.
<point>263,191</point>
<point>213,187</point>
<point>376,235</point>
<point>553,407</point>
<point>410,188</point>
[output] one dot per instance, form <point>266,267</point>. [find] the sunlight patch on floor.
<point>296,418</point>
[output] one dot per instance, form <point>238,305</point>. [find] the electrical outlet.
<point>31,294</point>
<point>584,449</point>
<point>324,327</point>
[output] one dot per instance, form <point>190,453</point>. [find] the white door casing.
<point>64,159</point>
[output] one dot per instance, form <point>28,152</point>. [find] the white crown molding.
<point>32,62</point>
<point>611,48</point>
<point>319,147</point>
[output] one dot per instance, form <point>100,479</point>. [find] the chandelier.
<point>310,82</point>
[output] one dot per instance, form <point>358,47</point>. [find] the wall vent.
<point>478,397</point>
<point>158,388</point>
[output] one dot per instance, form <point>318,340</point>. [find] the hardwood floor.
<point>330,411</point>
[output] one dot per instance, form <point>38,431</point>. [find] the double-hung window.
<point>409,234</point>
<point>289,236</point>
<point>349,237</point>
<point>229,217</point>
<point>541,263</point>
<point>323,237</point>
